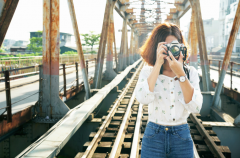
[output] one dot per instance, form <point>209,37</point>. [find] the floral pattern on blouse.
<point>166,103</point>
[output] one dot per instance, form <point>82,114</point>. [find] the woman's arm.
<point>196,100</point>
<point>153,76</point>
<point>177,68</point>
<point>142,92</point>
<point>187,88</point>
<point>158,64</point>
<point>193,99</point>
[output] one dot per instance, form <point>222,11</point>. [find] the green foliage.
<point>93,52</point>
<point>70,53</point>
<point>20,55</point>
<point>91,39</point>
<point>2,49</point>
<point>36,43</point>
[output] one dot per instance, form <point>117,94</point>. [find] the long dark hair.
<point>159,34</point>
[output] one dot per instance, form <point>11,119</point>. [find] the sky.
<point>28,17</point>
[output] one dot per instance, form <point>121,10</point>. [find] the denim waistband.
<point>170,128</point>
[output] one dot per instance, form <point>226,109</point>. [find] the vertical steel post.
<point>53,106</point>
<point>131,48</point>
<point>77,79</point>
<point>219,63</point>
<point>102,45</point>
<point>8,96</point>
<point>126,48</point>
<point>87,66</point>
<point>193,34</point>
<point>195,4</point>
<point>115,48</point>
<point>227,56</point>
<point>122,47</point>
<point>231,74</point>
<point>64,81</point>
<point>190,31</point>
<point>110,74</point>
<point>40,96</point>
<point>79,48</point>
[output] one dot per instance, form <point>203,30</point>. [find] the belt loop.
<point>158,129</point>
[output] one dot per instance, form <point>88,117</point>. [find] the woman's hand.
<point>176,65</point>
<point>160,56</point>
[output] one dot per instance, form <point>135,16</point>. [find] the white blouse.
<point>166,103</point>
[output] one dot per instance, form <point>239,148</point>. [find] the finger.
<point>181,57</point>
<point>170,54</point>
<point>161,43</point>
<point>169,60</point>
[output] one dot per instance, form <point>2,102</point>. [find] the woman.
<point>170,101</point>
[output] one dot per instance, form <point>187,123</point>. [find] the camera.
<point>175,48</point>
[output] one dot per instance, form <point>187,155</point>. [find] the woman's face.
<point>169,39</point>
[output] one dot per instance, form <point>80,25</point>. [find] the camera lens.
<point>175,50</point>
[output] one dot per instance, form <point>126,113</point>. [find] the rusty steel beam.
<point>18,119</point>
<point>110,74</point>
<point>126,49</point>
<point>52,105</point>
<point>115,48</point>
<point>195,4</point>
<point>121,53</point>
<point>131,48</point>
<point>189,32</point>
<point>193,34</point>
<point>79,48</point>
<point>227,57</point>
<point>7,12</point>
<point>102,45</point>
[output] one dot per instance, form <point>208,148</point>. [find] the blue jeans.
<point>173,142</point>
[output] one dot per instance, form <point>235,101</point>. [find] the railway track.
<point>120,132</point>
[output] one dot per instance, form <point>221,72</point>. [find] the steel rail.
<point>207,138</point>
<point>136,135</point>
<point>117,146</point>
<point>195,153</point>
<point>97,138</point>
<point>116,149</point>
<point>73,119</point>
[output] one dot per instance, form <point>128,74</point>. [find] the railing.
<point>18,62</point>
<point>231,69</point>
<point>7,89</point>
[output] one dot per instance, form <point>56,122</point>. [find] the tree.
<point>91,39</point>
<point>2,49</point>
<point>36,43</point>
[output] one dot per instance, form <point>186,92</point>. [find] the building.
<point>8,42</point>
<point>65,38</point>
<point>227,13</point>
<point>211,31</point>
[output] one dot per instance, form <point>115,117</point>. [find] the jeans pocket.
<point>149,132</point>
<point>184,134</point>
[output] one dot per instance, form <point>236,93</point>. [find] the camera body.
<point>175,48</point>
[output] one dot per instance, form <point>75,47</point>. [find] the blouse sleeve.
<point>195,105</point>
<point>142,92</point>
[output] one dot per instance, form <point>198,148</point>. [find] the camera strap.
<point>187,70</point>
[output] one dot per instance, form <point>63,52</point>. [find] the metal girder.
<point>102,44</point>
<point>180,10</point>
<point>121,13</point>
<point>79,48</point>
<point>202,45</point>
<point>52,105</point>
<point>227,57</point>
<point>124,8</point>
<point>7,9</point>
